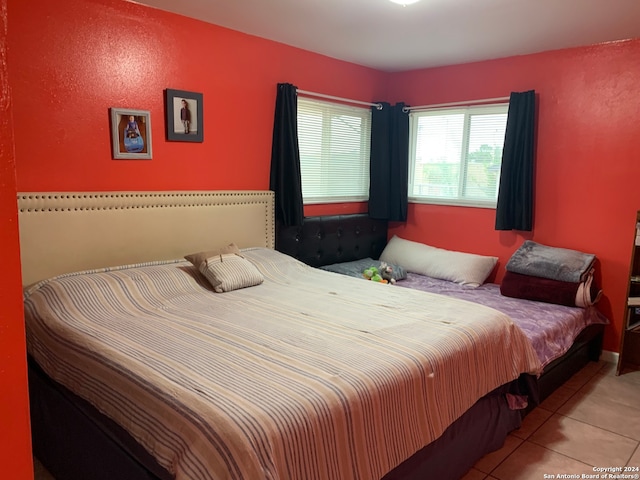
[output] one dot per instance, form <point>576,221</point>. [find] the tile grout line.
<point>575,391</point>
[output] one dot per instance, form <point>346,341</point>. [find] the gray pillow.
<point>357,267</point>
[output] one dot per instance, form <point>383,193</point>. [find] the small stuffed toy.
<point>386,272</point>
<point>373,274</point>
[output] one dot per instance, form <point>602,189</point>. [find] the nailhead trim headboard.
<point>323,240</point>
<point>62,232</point>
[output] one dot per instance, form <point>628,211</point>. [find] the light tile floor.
<point>592,421</point>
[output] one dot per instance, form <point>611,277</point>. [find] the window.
<point>455,155</point>
<point>334,142</point>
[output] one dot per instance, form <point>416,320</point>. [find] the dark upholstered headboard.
<point>327,239</point>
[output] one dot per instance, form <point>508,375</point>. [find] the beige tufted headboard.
<point>73,231</point>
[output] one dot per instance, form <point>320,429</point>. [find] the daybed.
<point>140,370</point>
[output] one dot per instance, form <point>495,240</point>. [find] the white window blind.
<point>456,154</point>
<point>334,141</point>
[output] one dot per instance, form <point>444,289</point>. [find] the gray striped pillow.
<point>230,272</point>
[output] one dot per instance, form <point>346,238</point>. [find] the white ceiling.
<point>391,37</point>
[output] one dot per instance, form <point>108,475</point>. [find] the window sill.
<point>453,202</point>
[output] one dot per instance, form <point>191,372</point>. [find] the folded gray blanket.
<point>554,263</point>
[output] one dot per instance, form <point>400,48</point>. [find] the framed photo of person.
<point>131,134</point>
<point>184,116</point>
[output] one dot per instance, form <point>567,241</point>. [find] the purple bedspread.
<point>550,328</point>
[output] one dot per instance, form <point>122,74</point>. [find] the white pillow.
<point>458,267</point>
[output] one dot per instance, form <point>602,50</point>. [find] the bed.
<point>575,333</point>
<point>337,423</point>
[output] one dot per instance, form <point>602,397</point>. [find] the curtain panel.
<point>285,179</point>
<point>389,165</point>
<point>514,210</point>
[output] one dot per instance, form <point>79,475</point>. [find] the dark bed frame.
<point>74,441</point>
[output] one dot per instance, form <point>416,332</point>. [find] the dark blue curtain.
<point>389,165</point>
<point>514,210</point>
<point>285,179</point>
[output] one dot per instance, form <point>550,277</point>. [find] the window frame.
<point>365,142</point>
<point>468,110</point>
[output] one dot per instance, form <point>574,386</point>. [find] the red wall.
<point>15,441</point>
<point>587,163</point>
<point>70,61</point>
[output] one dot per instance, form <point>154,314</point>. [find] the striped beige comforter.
<point>311,375</point>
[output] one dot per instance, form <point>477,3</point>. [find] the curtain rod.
<point>347,100</point>
<point>453,104</point>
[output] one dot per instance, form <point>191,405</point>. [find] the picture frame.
<point>178,105</point>
<point>131,134</point>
